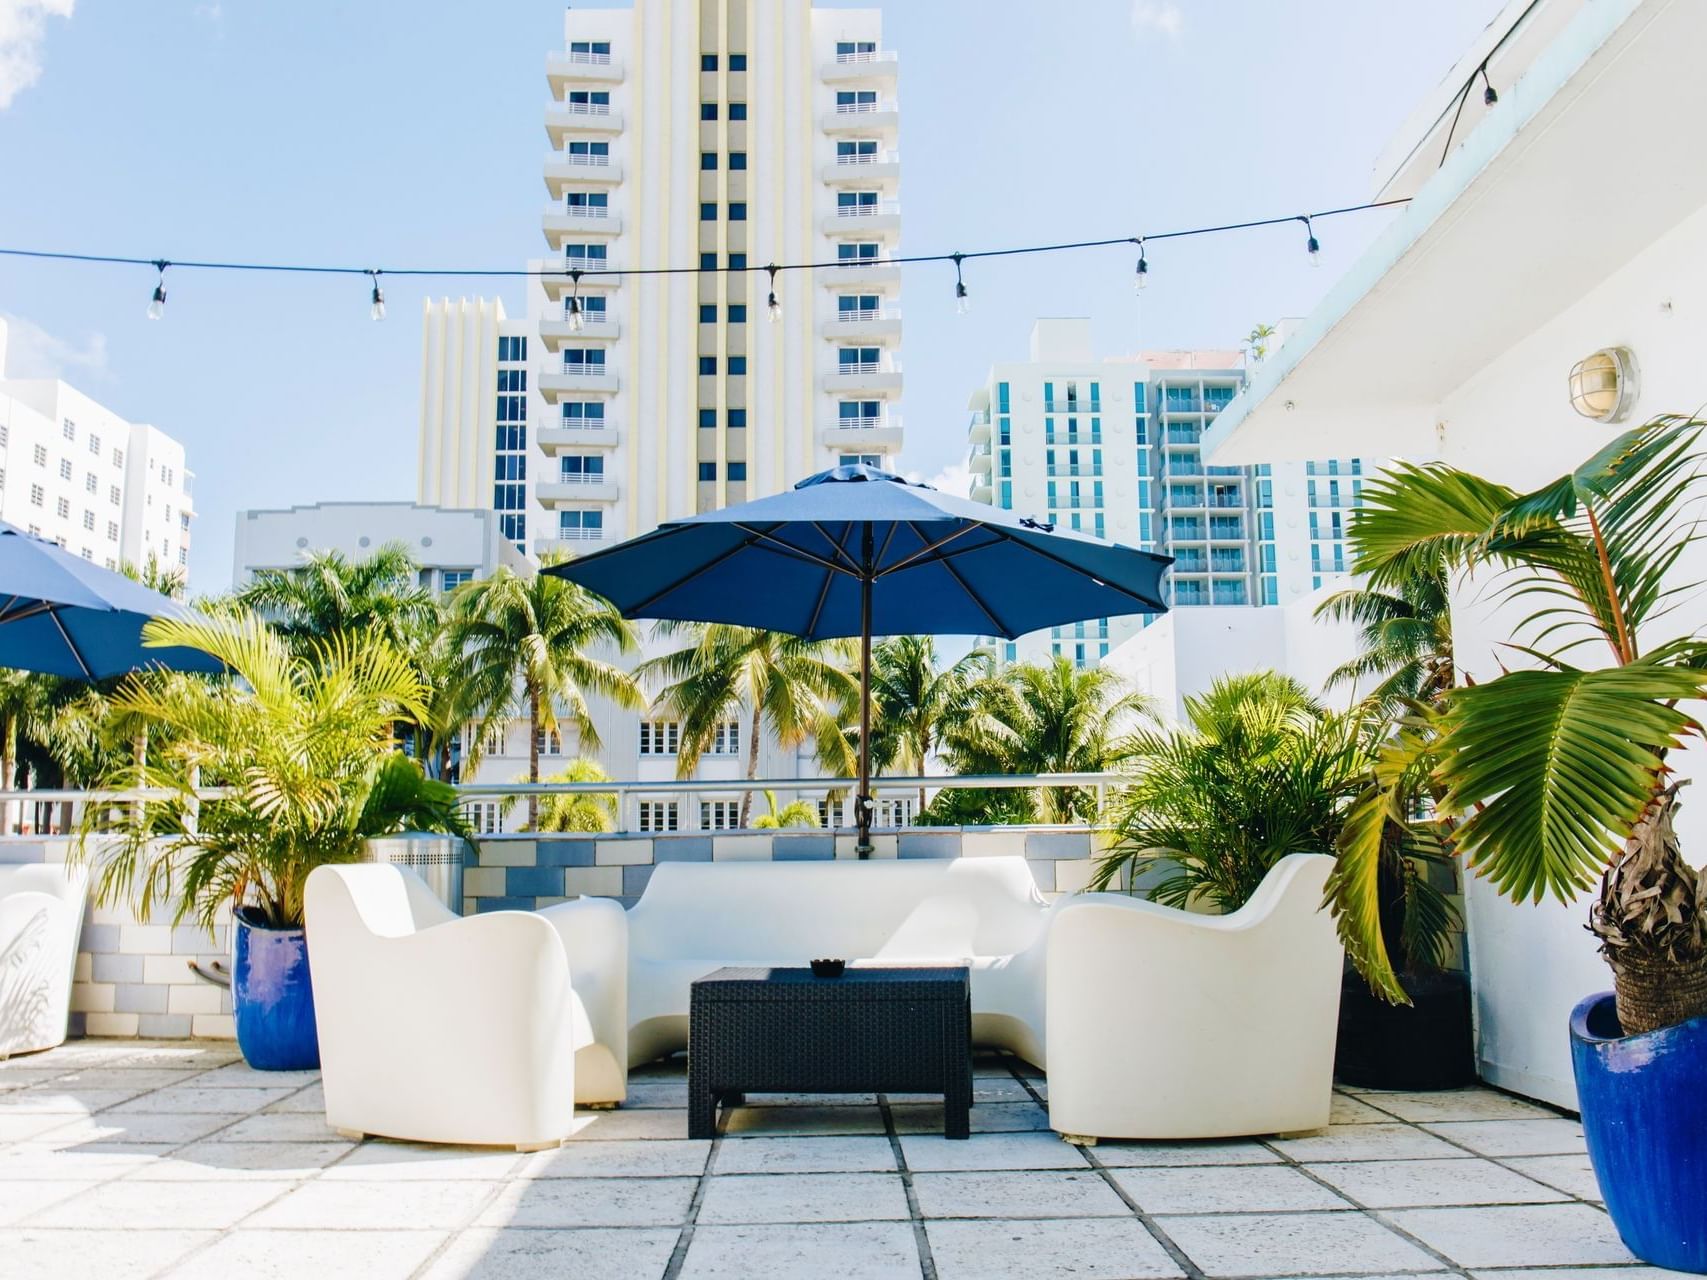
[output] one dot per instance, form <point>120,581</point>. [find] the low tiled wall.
<point>522,872</point>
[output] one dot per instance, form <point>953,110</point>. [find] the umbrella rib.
<point>1053,558</point>
<point>818,609</point>
<point>656,596</point>
<point>34,608</point>
<point>71,645</point>
<point>975,598</point>
<point>835,543</point>
<point>930,550</point>
<point>788,548</point>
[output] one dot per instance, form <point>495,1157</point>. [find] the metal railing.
<point>582,57</point>
<point>580,477</point>
<point>867,55</point>
<point>866,422</point>
<point>582,108</point>
<point>578,535</point>
<point>590,160</point>
<point>585,210</point>
<point>856,368</point>
<point>875,209</point>
<point>583,369</point>
<point>854,159</point>
<point>864,314</point>
<point>880,261</point>
<point>1072,406</point>
<point>863,108</point>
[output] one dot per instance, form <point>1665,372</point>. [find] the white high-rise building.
<point>710,138</point>
<point>1113,448</point>
<point>75,472</point>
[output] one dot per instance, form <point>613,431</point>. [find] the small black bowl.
<point>828,968</point>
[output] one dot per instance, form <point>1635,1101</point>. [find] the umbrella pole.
<point>862,801</point>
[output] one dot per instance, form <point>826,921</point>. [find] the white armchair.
<point>1168,1024</point>
<point>41,919</point>
<point>438,1028</point>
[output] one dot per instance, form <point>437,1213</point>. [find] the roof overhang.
<point>1587,160</point>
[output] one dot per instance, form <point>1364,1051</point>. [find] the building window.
<point>737,160</point>
<point>738,313</point>
<point>118,457</point>
<point>95,445</point>
<point>660,737</point>
<point>658,815</point>
<point>586,414</point>
<point>738,471</point>
<point>37,495</point>
<point>719,815</point>
<point>708,418</point>
<point>707,366</point>
<point>512,379</point>
<point>708,111</point>
<point>737,365</point>
<point>737,262</point>
<point>63,506</point>
<point>483,816</point>
<point>737,419</point>
<point>708,160</point>
<point>579,468</point>
<point>39,453</point>
<point>69,429</point>
<point>737,62</point>
<point>708,262</point>
<point>65,468</point>
<point>580,526</point>
<point>112,531</point>
<point>451,579</point>
<point>708,62</point>
<point>737,110</point>
<point>548,742</point>
<point>738,212</point>
<point>89,521</point>
<point>113,495</point>
<point>708,313</point>
<point>89,483</point>
<point>727,740</point>
<point>707,211</point>
<point>708,471</point>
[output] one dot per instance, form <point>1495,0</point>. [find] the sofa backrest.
<point>387,901</point>
<point>58,880</point>
<point>777,912</point>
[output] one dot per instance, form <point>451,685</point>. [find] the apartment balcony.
<point>581,119</point>
<point>863,272</point>
<point>852,68</point>
<point>592,379</point>
<point>877,324</point>
<point>1072,406</point>
<point>1073,437</point>
<point>564,170</point>
<point>880,168</point>
<point>878,434</point>
<point>572,223</point>
<point>1073,473</point>
<point>979,431</point>
<point>596,273</point>
<point>564,492</point>
<point>572,542</point>
<point>880,219</point>
<point>979,459</point>
<point>565,71</point>
<point>870,377</point>
<point>982,490</point>
<point>556,333</point>
<point>553,440</point>
<point>861,117</point>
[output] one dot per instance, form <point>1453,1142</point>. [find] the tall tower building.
<point>1113,448</point>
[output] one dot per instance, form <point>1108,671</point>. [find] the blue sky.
<point>386,132</point>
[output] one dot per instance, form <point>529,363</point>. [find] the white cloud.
<point>22,27</point>
<point>210,12</point>
<point>32,352</point>
<point>953,479</point>
<point>1157,17</point>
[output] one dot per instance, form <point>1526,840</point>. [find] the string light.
<point>1489,97</point>
<point>576,319</point>
<point>376,305</point>
<point>772,306</point>
<point>962,299</point>
<point>157,304</point>
<point>1312,246</point>
<point>1141,277</point>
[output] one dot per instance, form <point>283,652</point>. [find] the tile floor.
<point>125,1158</point>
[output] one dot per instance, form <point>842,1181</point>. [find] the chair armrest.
<point>594,932</point>
<point>20,911</point>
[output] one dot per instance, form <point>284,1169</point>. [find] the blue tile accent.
<point>140,999</point>
<point>564,853</point>
<point>471,855</point>
<point>921,844</point>
<point>99,938</point>
<point>1058,844</point>
<point>507,904</point>
<point>803,848</point>
<point>682,849</point>
<point>78,1026</point>
<point>115,968</point>
<point>193,940</point>
<point>164,1026</point>
<point>533,882</point>
<point>634,879</point>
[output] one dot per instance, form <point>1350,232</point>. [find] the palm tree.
<point>1559,773</point>
<point>329,595</point>
<point>155,576</point>
<point>796,813</point>
<point>528,647</point>
<point>912,699</point>
<point>795,688</point>
<point>1406,634</point>
<point>578,810</point>
<point>1258,340</point>
<point>1048,717</point>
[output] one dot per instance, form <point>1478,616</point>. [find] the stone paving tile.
<point>984,1089</point>
<point>844,1250</point>
<point>832,1154</point>
<point>1577,1273</point>
<point>241,1075</point>
<point>153,1128</point>
<point>1064,1194</point>
<point>132,1080</point>
<point>398,1206</point>
<point>1225,1189</point>
<point>144,1205</point>
<point>625,1125</point>
<point>1178,1154</point>
<point>1554,1136</point>
<point>1455,1104</point>
<point>54,1099</point>
<point>291,1255</point>
<point>28,1161</point>
<point>609,1253</point>
<point>1398,1184</point>
<point>1018,1250</point>
<point>993,1117</point>
<point>1367,1142</point>
<point>1024,1150</point>
<point>283,1127</point>
<point>86,1254</point>
<point>192,1098</point>
<point>803,1197</point>
<point>749,1121</point>
<point>1573,1175</point>
<point>1517,1236</point>
<point>25,1077</point>
<point>311,1100</point>
<point>1293,1244</point>
<point>418,1162</point>
<point>1349,1110</point>
<point>217,1161</point>
<point>19,1126</point>
<point>18,1200</point>
<point>589,1202</point>
<point>632,1158</point>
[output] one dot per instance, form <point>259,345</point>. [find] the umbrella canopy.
<point>65,616</point>
<point>858,551</point>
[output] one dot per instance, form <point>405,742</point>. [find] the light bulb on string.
<point>576,316</point>
<point>1312,246</point>
<point>773,308</point>
<point>962,299</point>
<point>1141,277</point>
<point>157,304</point>
<point>1489,97</point>
<point>376,303</point>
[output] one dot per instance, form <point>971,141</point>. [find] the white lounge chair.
<point>1168,1024</point>
<point>438,1028</point>
<point>41,919</point>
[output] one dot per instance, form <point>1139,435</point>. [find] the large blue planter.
<point>1644,1106</point>
<point>272,997</point>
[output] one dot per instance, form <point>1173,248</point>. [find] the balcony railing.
<point>1073,437</point>
<point>581,477</point>
<point>583,159</point>
<point>591,266</point>
<point>1072,406</point>
<point>1217,500</point>
<point>867,314</point>
<point>884,261</point>
<point>580,535</point>
<point>858,368</point>
<point>585,59</point>
<point>583,108</point>
<point>877,422</point>
<point>1072,473</point>
<point>863,108</point>
<point>586,210</point>
<point>870,55</point>
<point>874,210</point>
<point>583,424</point>
<point>584,369</point>
<point>867,157</point>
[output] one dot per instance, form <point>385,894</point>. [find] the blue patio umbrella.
<point>858,551</point>
<point>63,615</point>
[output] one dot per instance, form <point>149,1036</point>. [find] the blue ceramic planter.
<point>1644,1106</point>
<point>272,997</point>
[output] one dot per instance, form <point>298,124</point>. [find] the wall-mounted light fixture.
<point>1603,385</point>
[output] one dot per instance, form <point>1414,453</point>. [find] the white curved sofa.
<point>1166,1024</point>
<point>41,919</point>
<point>696,917</point>
<point>443,1029</point>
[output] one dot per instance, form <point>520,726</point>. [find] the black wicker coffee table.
<point>868,1031</point>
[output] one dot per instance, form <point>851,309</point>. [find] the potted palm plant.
<point>1560,774</point>
<point>298,745</point>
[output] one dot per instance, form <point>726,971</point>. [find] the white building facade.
<point>1113,448</point>
<point>75,472</point>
